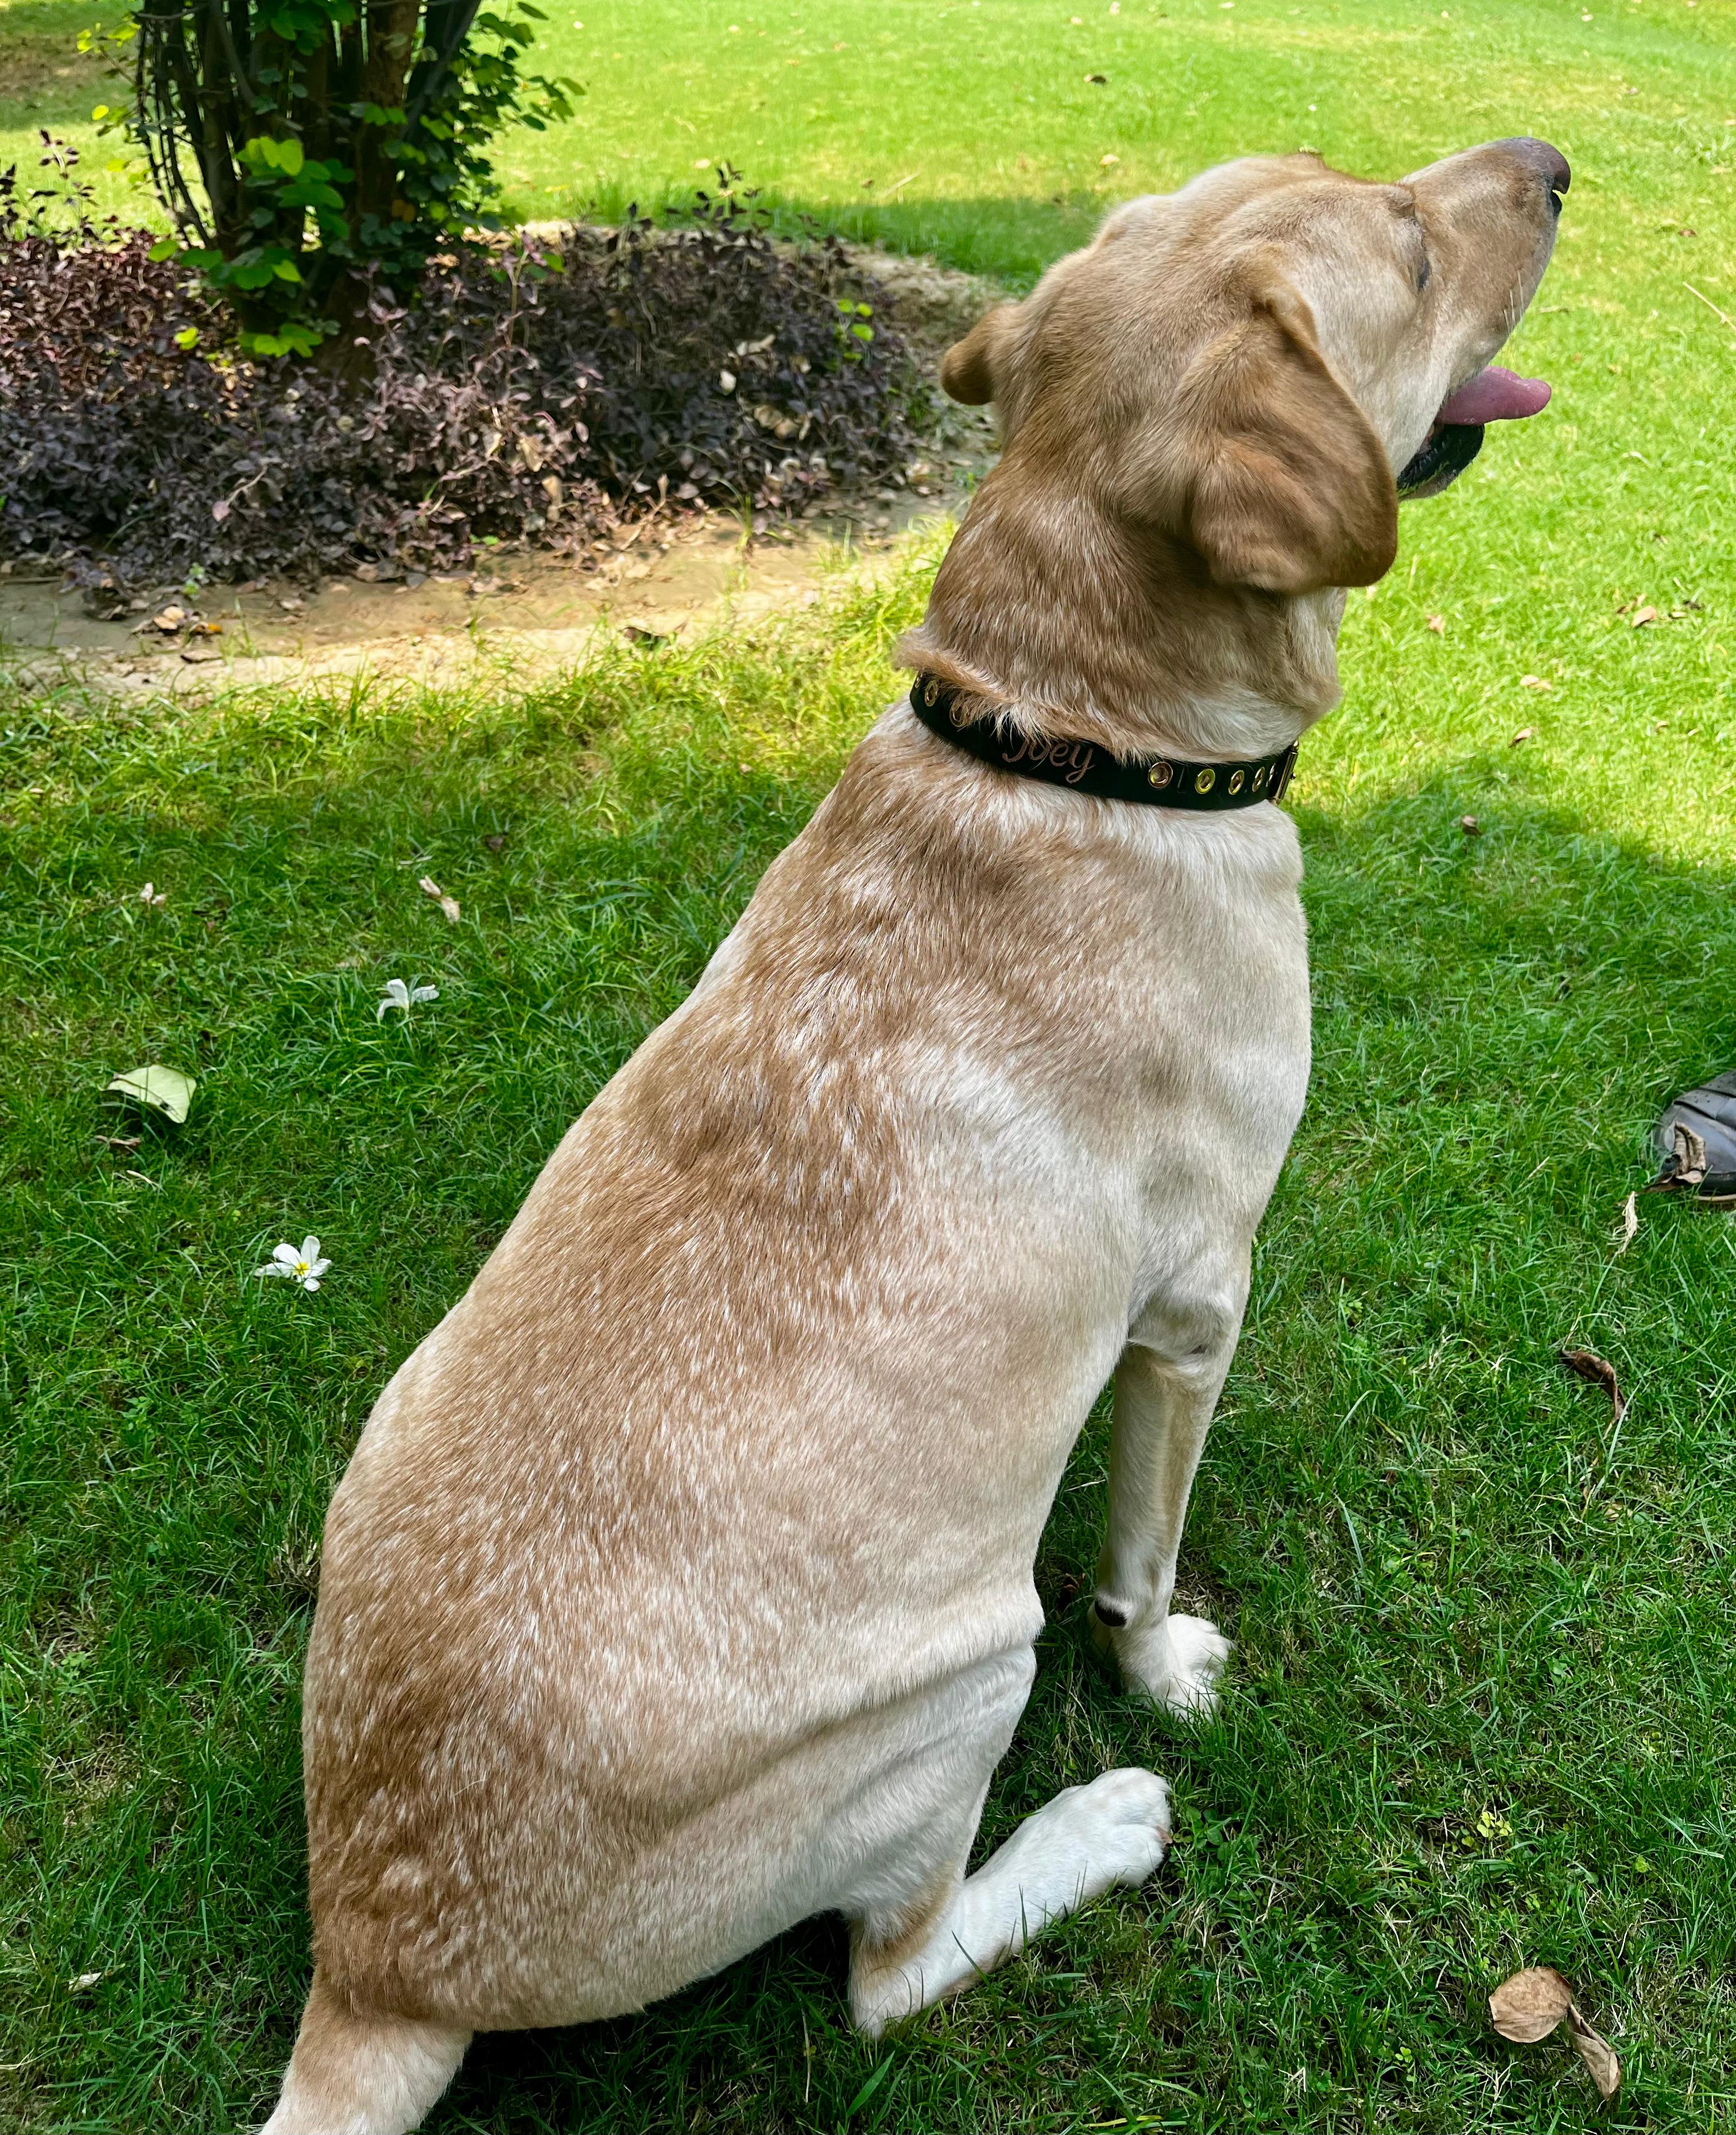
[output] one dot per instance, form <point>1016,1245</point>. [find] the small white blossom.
<point>153,895</point>
<point>400,996</point>
<point>304,1267</point>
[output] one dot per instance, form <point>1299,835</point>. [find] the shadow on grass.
<point>1480,1713</point>
<point>1009,237</point>
<point>45,80</point>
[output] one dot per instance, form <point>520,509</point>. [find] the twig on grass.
<point>1710,306</point>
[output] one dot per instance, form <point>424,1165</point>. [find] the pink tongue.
<point>1495,395</point>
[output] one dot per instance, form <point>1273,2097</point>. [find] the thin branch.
<point>1710,306</point>
<point>157,129</point>
<point>219,14</point>
<point>463,16</point>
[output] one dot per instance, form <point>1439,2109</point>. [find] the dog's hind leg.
<point>905,1956</point>
<point>351,2074</point>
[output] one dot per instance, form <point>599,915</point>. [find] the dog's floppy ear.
<point>968,367</point>
<point>1287,487</point>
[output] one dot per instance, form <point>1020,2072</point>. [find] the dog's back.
<point>712,1459</point>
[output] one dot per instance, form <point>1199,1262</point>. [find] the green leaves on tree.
<point>301,146</point>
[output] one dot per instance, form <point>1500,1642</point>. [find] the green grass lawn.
<point>971,128</point>
<point>1482,1710</point>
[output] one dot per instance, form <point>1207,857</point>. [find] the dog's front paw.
<point>1176,1663</point>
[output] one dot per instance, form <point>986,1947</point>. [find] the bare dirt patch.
<point>536,613</point>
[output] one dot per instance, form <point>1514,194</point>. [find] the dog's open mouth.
<point>1494,395</point>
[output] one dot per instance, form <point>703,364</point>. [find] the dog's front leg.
<point>1163,1408</point>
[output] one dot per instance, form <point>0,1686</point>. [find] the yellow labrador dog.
<point>681,1585</point>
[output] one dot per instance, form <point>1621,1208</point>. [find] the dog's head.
<point>1244,364</point>
<point>1208,418</point>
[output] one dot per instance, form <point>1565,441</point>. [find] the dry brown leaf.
<point>1585,1364</point>
<point>1437,624</point>
<point>84,1982</point>
<point>1642,616</point>
<point>1470,825</point>
<point>448,905</point>
<point>1685,1166</point>
<point>1630,1222</point>
<point>1690,1155</point>
<point>1534,682</point>
<point>1524,733</point>
<point>1596,2052</point>
<point>1529,2005</point>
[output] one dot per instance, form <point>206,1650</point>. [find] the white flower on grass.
<point>153,895</point>
<point>400,996</point>
<point>304,1267</point>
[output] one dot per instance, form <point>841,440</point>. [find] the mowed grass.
<point>976,128</point>
<point>1480,1712</point>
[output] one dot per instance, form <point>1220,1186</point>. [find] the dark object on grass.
<point>528,394</point>
<point>1696,1139</point>
<point>1587,1364</point>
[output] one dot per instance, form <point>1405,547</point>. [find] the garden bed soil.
<point>664,576</point>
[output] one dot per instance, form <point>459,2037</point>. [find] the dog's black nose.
<point>1546,160</point>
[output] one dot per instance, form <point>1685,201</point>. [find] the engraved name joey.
<point>1071,758</point>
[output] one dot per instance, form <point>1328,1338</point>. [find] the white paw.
<point>1089,1840</point>
<point>1130,1824</point>
<point>1177,1665</point>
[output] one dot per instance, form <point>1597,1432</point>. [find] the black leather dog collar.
<point>1159,781</point>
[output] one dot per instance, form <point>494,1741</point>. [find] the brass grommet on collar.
<point>931,692</point>
<point>960,714</point>
<point>1160,774</point>
<point>1236,781</point>
<point>1205,780</point>
<point>1260,779</point>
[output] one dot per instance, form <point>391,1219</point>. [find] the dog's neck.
<point>1085,626</point>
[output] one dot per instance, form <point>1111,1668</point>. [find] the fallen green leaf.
<point>163,1090</point>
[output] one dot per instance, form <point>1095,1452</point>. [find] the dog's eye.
<point>1422,272</point>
